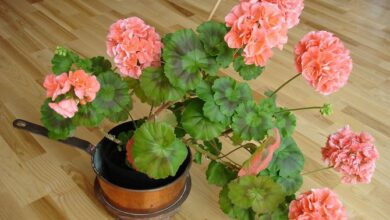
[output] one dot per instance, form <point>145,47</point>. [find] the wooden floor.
<point>42,179</point>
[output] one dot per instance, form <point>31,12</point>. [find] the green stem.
<point>150,111</point>
<point>209,155</point>
<point>317,170</point>
<point>297,109</point>
<point>285,83</point>
<point>230,152</point>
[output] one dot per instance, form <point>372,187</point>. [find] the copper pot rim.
<point>100,177</point>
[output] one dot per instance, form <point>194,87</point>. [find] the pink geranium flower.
<point>354,155</point>
<point>323,61</point>
<point>56,85</point>
<point>318,204</point>
<point>67,107</point>
<point>258,27</point>
<point>85,85</point>
<point>134,46</point>
<point>291,9</point>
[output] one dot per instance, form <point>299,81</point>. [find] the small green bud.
<point>326,110</point>
<point>61,51</point>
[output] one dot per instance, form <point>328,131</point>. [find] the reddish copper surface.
<point>143,201</point>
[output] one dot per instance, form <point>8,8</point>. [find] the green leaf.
<point>198,157</point>
<point>250,122</point>
<point>286,123</point>
<point>156,150</point>
<point>100,65</point>
<point>87,115</point>
<point>197,125</point>
<point>219,174</point>
<point>268,105</point>
<point>204,92</point>
<point>290,184</point>
<point>289,159</point>
<point>213,112</point>
<point>168,117</point>
<point>184,56</point>
<point>58,126</point>
<point>213,146</point>
<point>212,34</point>
<point>157,87</point>
<point>231,210</point>
<point>246,71</point>
<point>61,64</point>
<point>229,94</point>
<point>85,64</point>
<point>260,193</point>
<point>123,115</point>
<point>113,95</point>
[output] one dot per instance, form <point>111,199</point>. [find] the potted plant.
<point>192,106</point>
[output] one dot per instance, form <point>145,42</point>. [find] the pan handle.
<point>38,129</point>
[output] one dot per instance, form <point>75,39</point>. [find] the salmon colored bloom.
<point>291,9</point>
<point>56,85</point>
<point>318,204</point>
<point>85,85</point>
<point>323,61</point>
<point>262,156</point>
<point>258,27</point>
<point>134,46</point>
<point>353,155</point>
<point>67,107</point>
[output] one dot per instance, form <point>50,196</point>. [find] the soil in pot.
<point>114,169</point>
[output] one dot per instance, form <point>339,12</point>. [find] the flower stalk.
<point>285,83</point>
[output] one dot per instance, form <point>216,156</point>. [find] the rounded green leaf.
<point>204,92</point>
<point>87,115</point>
<point>219,174</point>
<point>212,34</point>
<point>184,56</point>
<point>229,94</point>
<point>197,125</point>
<point>250,122</point>
<point>61,64</point>
<point>231,210</point>
<point>100,65</point>
<point>213,112</point>
<point>113,95</point>
<point>246,71</point>
<point>286,123</point>
<point>260,193</point>
<point>157,87</point>
<point>156,150</point>
<point>289,159</point>
<point>290,184</point>
<point>58,126</point>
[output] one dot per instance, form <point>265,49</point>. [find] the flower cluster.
<point>259,26</point>
<point>134,46</point>
<point>291,9</point>
<point>319,204</point>
<point>352,154</point>
<point>323,61</point>
<point>84,86</point>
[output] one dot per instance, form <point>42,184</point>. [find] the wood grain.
<point>43,179</point>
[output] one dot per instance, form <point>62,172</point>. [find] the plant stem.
<point>228,131</point>
<point>159,110</point>
<point>230,152</point>
<point>110,137</point>
<point>210,155</point>
<point>285,83</point>
<point>317,170</point>
<point>297,109</point>
<point>214,9</point>
<point>150,111</point>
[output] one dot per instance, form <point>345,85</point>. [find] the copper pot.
<point>126,189</point>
